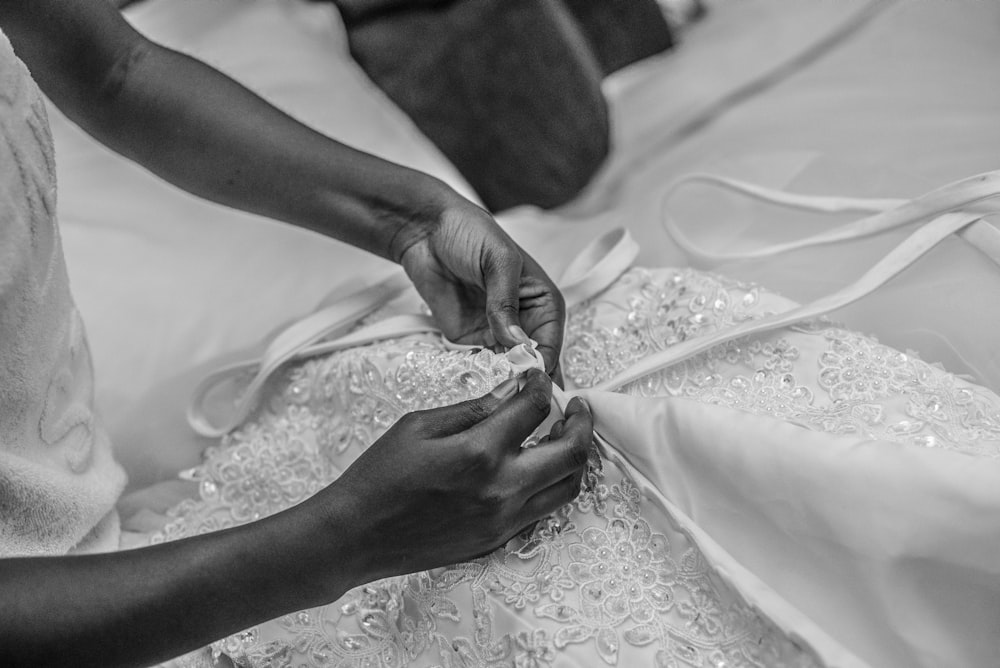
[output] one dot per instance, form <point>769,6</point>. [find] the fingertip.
<point>557,429</point>
<point>577,405</point>
<point>579,420</point>
<point>537,388</point>
<point>528,373</point>
<point>535,376</point>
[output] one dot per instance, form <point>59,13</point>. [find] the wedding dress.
<point>769,489</point>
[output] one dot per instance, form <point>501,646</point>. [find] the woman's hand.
<point>453,483</point>
<point>480,286</point>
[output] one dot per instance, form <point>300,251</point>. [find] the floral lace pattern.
<point>660,314</point>
<point>595,578</point>
<point>848,382</point>
<point>593,575</point>
<point>608,579</point>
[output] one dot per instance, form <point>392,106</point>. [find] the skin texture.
<point>440,486</point>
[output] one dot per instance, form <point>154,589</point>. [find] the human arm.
<point>440,486</point>
<point>207,134</point>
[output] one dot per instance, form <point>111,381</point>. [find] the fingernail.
<point>580,404</point>
<point>506,389</point>
<point>518,334</point>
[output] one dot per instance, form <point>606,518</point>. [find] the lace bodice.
<point>610,579</point>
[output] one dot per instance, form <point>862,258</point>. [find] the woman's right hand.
<point>453,483</point>
<point>439,487</point>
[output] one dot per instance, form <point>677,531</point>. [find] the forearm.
<point>207,134</point>
<point>142,606</point>
<point>234,148</point>
<point>202,131</point>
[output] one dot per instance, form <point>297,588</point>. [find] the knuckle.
<point>476,410</point>
<point>493,501</point>
<point>505,306</point>
<point>482,458</point>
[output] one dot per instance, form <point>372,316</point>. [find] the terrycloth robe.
<point>58,479</point>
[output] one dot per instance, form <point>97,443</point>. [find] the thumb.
<point>454,419</point>
<point>502,277</point>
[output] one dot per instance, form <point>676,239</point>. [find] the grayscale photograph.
<point>500,333</point>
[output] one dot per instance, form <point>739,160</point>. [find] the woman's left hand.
<point>482,288</point>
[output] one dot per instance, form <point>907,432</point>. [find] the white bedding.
<point>893,100</point>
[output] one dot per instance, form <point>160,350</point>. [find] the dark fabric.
<point>509,90</point>
<point>353,11</point>
<point>622,32</point>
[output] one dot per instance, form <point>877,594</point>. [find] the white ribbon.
<point>597,266</point>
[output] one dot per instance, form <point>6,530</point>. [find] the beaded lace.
<point>609,579</point>
<point>816,374</point>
